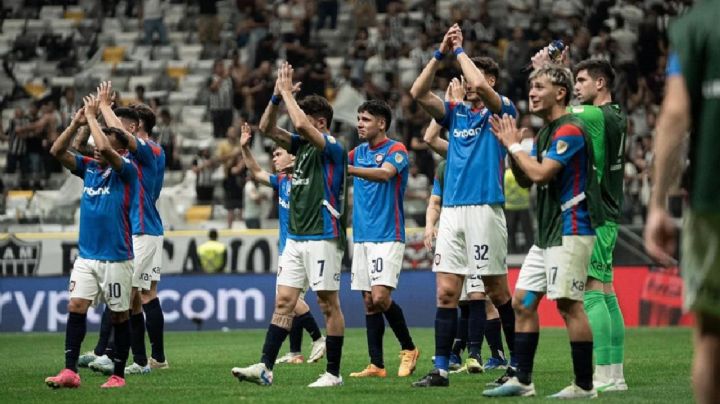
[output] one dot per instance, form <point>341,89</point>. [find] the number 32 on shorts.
<point>481,252</point>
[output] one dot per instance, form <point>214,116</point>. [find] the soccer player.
<point>606,124</point>
<point>316,232</point>
<point>103,270</point>
<point>569,207</point>
<point>492,330</point>
<point>282,182</point>
<point>380,168</point>
<point>691,107</point>
<point>472,233</point>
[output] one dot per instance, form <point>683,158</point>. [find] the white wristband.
<point>514,148</point>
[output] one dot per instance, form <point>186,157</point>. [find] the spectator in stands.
<point>411,126</point>
<point>239,74</point>
<point>151,16</point>
<point>208,23</point>
<point>257,90</point>
<point>517,53</point>
<point>221,99</point>
<point>416,194</point>
<point>203,166</point>
<point>229,155</point>
<point>327,10</point>
<point>517,214</point>
<point>140,94</point>
<point>255,197</point>
<point>17,156</point>
<point>168,139</point>
<point>212,254</point>
<point>69,104</point>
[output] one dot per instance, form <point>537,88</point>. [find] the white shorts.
<point>314,263</point>
<point>471,284</point>
<point>148,252</point>
<point>376,264</point>
<point>471,237</point>
<point>108,282</point>
<point>559,271</point>
<point>302,291</point>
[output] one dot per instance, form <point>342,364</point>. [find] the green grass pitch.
<point>657,370</point>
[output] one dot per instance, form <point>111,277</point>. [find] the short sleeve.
<point>437,188</point>
<point>146,151</point>
<point>673,65</point>
<point>295,142</point>
<point>81,165</point>
<point>533,151</point>
<point>128,171</point>
<point>397,156</point>
<point>450,109</point>
<point>507,106</point>
<point>333,149</point>
<point>351,157</point>
<point>567,141</point>
<point>274,181</point>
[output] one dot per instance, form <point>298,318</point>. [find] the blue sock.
<point>74,336</point>
<point>375,329</point>
<point>476,327</point>
<point>445,327</point>
<point>334,346</point>
<point>105,332</point>
<point>274,338</point>
<point>296,333</point>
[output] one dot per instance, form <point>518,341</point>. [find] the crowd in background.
<point>381,51</point>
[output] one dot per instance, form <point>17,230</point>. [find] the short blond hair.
<point>558,75</point>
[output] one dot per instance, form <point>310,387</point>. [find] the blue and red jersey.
<point>568,148</point>
<point>378,214</point>
<point>109,198</point>
<point>475,158</point>
<point>150,161</point>
<point>282,183</point>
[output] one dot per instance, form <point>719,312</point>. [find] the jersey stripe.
<point>567,130</point>
<point>331,171</point>
<point>126,219</point>
<point>398,235</point>
<point>576,191</point>
<point>396,147</point>
<point>141,196</point>
<point>351,157</point>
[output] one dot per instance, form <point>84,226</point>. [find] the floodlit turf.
<point>657,370</point>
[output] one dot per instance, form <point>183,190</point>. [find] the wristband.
<point>514,148</point>
<point>275,100</point>
<point>458,51</point>
<point>438,55</point>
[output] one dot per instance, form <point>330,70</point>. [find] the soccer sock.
<point>492,334</point>
<point>296,333</point>
<point>525,346</point>
<point>375,328</point>
<point>597,312</point>
<point>122,347</point>
<point>310,325</point>
<point>617,329</point>
<point>461,334</point>
<point>396,320</point>
<point>137,335</point>
<point>507,319</point>
<point>155,322</point>
<point>582,352</point>
<point>74,335</point>
<point>445,327</point>
<point>274,338</point>
<point>476,327</point>
<point>334,346</point>
<point>105,332</point>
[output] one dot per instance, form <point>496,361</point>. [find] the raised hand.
<point>541,58</point>
<point>505,129</point>
<point>105,95</point>
<point>91,106</point>
<point>456,90</point>
<point>245,134</point>
<point>79,117</point>
<point>456,37</point>
<point>284,80</point>
<point>446,44</point>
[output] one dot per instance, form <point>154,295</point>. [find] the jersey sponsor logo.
<point>561,147</point>
<point>331,139</point>
<point>300,181</point>
<point>462,133</point>
<point>379,158</point>
<point>283,203</point>
<point>398,158</point>
<point>96,191</point>
<point>142,142</point>
<point>578,109</point>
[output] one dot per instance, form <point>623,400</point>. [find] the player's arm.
<point>60,147</point>
<point>432,215</point>
<point>421,88</point>
<point>672,129</point>
<point>258,173</point>
<point>473,76</point>
<point>433,139</point>
<point>521,178</point>
<point>80,140</point>
<point>540,173</point>
<point>268,121</point>
<point>102,143</point>
<point>105,98</point>
<point>301,122</point>
<point>383,173</point>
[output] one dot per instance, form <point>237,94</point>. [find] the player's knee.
<point>284,304</point>
<point>525,304</point>
<point>328,303</point>
<point>569,309</point>
<point>447,296</point>
<point>76,306</point>
<point>381,302</point>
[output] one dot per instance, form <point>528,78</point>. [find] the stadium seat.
<point>50,13</point>
<point>202,66</point>
<point>113,54</point>
<point>198,213</point>
<point>189,52</point>
<point>128,68</point>
<point>152,67</point>
<point>177,69</point>
<point>76,14</point>
<point>59,81</point>
<point>193,113</point>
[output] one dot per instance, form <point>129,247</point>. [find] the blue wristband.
<point>275,100</point>
<point>458,51</point>
<point>438,55</point>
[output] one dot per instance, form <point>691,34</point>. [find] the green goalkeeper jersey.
<point>606,126</point>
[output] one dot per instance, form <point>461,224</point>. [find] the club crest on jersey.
<point>379,158</point>
<point>106,172</point>
<point>398,158</point>
<point>561,147</point>
<point>505,101</point>
<point>331,139</point>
